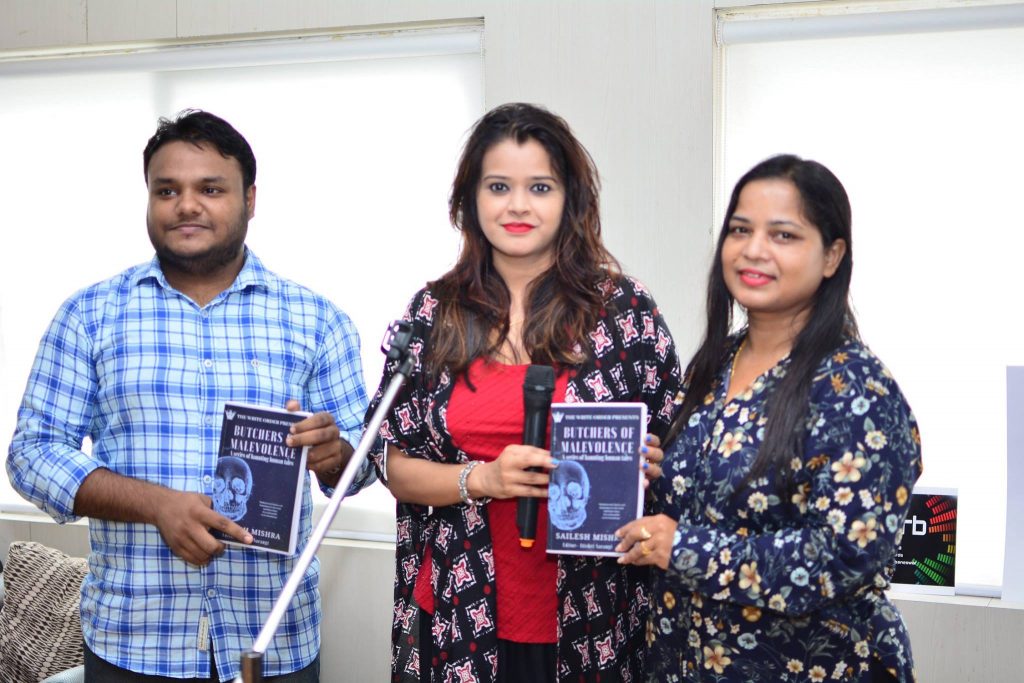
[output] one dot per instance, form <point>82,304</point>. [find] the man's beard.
<point>210,261</point>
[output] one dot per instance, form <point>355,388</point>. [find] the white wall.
<point>634,78</point>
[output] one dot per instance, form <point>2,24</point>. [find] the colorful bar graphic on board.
<point>926,557</point>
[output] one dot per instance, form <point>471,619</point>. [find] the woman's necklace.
<point>732,370</point>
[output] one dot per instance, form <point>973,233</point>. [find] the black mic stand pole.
<point>396,346</point>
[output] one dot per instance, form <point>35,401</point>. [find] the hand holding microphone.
<point>518,472</point>
<point>537,390</point>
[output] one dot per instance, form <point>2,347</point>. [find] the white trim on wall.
<point>459,39</point>
<point>734,27</point>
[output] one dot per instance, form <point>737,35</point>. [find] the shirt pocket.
<point>266,379</point>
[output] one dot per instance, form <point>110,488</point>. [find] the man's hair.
<point>199,127</point>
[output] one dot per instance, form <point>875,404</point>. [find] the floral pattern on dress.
<point>602,604</point>
<point>765,589</point>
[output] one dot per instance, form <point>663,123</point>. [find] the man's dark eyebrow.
<point>207,179</point>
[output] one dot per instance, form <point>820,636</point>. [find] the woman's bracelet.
<point>464,489</point>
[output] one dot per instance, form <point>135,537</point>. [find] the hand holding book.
<point>261,474</point>
<point>647,540</point>
<point>328,453</point>
<point>597,485</point>
<point>185,521</point>
<point>652,455</point>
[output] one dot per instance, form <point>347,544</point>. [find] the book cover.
<point>259,479</point>
<point>926,555</point>
<point>597,486</point>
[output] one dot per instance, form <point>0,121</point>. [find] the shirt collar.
<point>253,274</point>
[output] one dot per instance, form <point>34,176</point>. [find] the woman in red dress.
<point>533,285</point>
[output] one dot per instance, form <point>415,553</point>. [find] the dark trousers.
<point>99,670</point>
<point>534,662</point>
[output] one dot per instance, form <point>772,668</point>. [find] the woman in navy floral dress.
<point>794,455</point>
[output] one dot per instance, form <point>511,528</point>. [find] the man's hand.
<point>184,521</point>
<point>328,452</point>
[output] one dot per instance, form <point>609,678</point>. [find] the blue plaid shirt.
<point>144,373</point>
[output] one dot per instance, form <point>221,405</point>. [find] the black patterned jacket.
<point>602,605</point>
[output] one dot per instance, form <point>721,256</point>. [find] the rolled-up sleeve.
<point>45,462</point>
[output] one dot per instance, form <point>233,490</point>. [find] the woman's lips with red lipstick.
<point>754,278</point>
<point>517,227</point>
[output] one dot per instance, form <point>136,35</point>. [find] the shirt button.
<point>208,420</point>
<point>207,479</point>
<point>211,593</point>
<point>208,363</point>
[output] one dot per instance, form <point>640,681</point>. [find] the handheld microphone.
<point>537,390</point>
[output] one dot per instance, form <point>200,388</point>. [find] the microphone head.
<point>538,387</point>
<point>539,378</point>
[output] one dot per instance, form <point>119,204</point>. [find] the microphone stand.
<point>396,346</point>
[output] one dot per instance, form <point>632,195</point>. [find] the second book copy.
<point>597,486</point>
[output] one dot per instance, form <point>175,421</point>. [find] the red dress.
<point>482,423</point>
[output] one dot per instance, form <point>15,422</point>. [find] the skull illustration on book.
<point>232,486</point>
<point>568,494</point>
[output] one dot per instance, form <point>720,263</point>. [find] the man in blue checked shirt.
<point>142,364</point>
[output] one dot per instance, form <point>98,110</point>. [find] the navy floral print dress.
<point>761,588</point>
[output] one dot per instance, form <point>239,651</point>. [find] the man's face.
<point>198,211</point>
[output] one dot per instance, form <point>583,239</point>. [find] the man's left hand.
<point>328,452</point>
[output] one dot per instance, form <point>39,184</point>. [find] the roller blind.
<point>356,139</point>
<point>923,126</point>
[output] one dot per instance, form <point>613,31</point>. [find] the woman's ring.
<point>644,550</point>
<point>644,533</point>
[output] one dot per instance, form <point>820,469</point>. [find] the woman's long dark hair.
<point>829,323</point>
<point>563,303</point>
